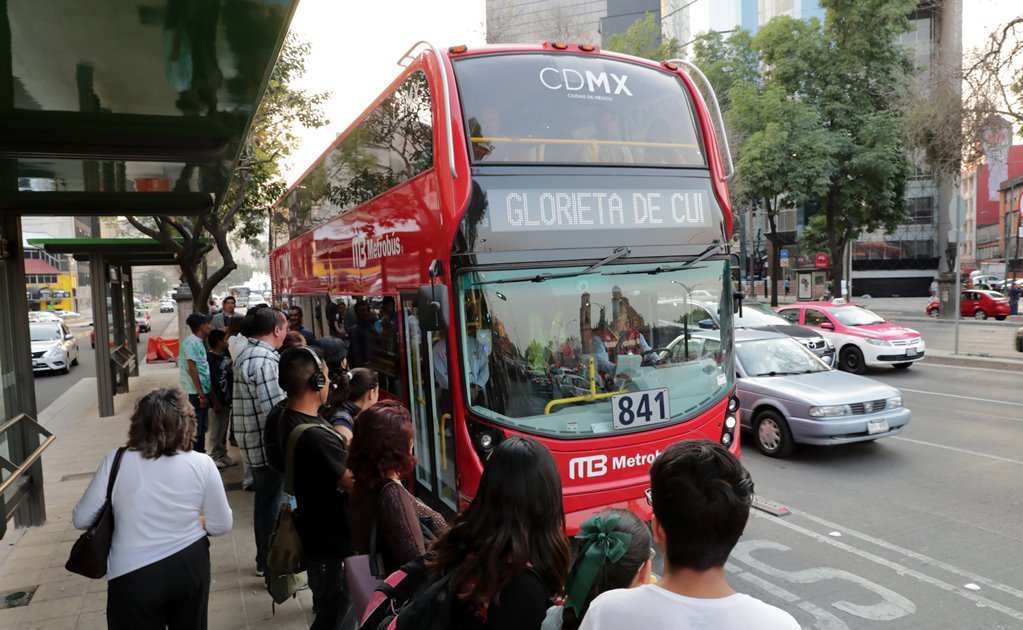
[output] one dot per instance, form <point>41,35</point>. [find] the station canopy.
<point>111,108</point>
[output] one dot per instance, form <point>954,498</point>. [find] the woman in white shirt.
<point>166,499</point>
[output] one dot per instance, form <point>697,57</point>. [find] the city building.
<point>590,21</point>
<point>983,242</point>
<point>1010,226</point>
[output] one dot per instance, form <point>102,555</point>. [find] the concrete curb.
<point>974,361</point>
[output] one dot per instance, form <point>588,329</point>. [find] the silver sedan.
<point>788,397</point>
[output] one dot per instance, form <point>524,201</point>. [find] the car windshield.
<point>777,357</point>
<point>755,315</point>
<point>856,316</point>
<point>45,333</point>
<point>638,331</point>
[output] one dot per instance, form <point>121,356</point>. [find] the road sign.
<point>820,261</point>
<point>784,261</point>
<point>784,254</point>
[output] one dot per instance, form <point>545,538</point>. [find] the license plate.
<point>877,426</point>
<point>910,352</point>
<point>638,409</point>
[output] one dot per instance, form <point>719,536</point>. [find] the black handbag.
<point>89,554</point>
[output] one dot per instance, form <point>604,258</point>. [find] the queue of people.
<point>505,560</point>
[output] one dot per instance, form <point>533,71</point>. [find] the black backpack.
<point>410,599</point>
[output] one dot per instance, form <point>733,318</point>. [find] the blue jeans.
<point>269,490</point>
<point>331,601</point>
<point>202,415</point>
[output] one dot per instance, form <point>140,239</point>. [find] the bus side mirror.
<point>433,307</point>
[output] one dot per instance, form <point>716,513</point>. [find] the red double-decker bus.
<point>531,240</point>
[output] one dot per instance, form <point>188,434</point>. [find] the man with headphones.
<point>320,461</point>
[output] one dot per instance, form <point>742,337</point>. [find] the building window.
<point>921,210</point>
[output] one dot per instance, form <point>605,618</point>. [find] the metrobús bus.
<point>551,223</point>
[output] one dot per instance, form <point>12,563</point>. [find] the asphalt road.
<point>50,385</point>
<point>920,530</point>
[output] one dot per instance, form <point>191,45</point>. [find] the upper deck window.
<point>576,110</point>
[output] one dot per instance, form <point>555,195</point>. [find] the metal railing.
<point>19,477</point>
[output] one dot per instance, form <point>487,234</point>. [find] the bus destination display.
<point>535,210</point>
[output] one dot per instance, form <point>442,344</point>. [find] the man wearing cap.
<point>195,374</point>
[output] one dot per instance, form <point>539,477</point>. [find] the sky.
<point>355,49</point>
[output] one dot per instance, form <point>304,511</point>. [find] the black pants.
<point>331,601</point>
<point>170,593</point>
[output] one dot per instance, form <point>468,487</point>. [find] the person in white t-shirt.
<point>701,497</point>
<point>167,500</point>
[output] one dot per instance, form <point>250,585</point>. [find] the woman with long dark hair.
<point>613,550</point>
<point>356,390</point>
<point>380,458</point>
<point>506,554</point>
<point>167,498</point>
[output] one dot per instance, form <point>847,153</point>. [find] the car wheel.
<point>902,366</point>
<point>1000,318</point>
<point>1019,343</point>
<point>772,434</point>
<point>851,360</point>
<point>980,314</point>
<point>75,360</point>
<point>933,312</point>
<point>67,364</point>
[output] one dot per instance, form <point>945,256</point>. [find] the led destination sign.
<point>542,211</point>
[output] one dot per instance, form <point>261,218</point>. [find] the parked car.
<point>861,337</point>
<point>54,348</point>
<point>978,304</point>
<point>167,306</point>
<point>788,396</point>
<point>991,281</point>
<point>142,320</point>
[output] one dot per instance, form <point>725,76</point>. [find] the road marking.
<point>824,619</point>
<point>902,569</point>
<point>990,400</point>
<point>964,451</point>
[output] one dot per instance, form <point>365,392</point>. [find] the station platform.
<point>32,559</point>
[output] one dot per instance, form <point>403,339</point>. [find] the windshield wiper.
<point>773,373</point>
<point>704,255</point>
<point>618,252</point>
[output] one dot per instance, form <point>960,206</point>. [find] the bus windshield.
<point>560,356</point>
<point>576,109</point>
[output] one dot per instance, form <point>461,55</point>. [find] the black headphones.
<point>317,380</point>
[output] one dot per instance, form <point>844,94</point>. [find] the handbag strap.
<point>374,568</point>
<point>289,456</point>
<point>113,470</point>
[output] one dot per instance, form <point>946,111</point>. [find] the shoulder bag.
<point>90,552</point>
<point>365,572</point>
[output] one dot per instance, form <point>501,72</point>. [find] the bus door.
<point>431,411</point>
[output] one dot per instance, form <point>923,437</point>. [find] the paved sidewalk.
<point>35,556</point>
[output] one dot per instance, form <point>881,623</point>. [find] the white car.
<point>44,316</point>
<point>167,306</point>
<point>54,348</point>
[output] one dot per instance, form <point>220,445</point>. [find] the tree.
<point>154,282</point>
<point>644,39</point>
<point>993,78</point>
<point>850,72</point>
<point>786,158</point>
<point>243,211</point>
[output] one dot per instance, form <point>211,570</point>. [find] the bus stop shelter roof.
<point>111,108</point>
<point>119,251</point>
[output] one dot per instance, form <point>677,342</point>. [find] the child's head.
<point>701,497</point>
<point>217,339</point>
<point>612,551</point>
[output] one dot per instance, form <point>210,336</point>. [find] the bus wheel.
<point>851,360</point>
<point>772,434</point>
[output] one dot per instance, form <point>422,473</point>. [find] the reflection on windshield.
<point>856,316</point>
<point>777,357</point>
<point>754,315</point>
<point>547,356</point>
<point>44,333</point>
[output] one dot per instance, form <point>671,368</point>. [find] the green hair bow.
<point>602,543</point>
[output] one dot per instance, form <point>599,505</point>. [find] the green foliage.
<point>643,39</point>
<point>154,283</point>
<point>727,62</point>
<point>243,211</point>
